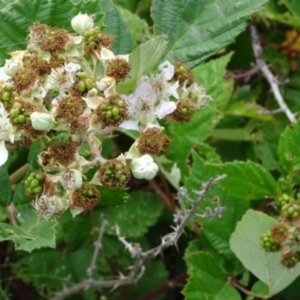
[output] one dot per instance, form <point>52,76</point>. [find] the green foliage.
<point>234,134</point>
<point>288,149</point>
<point>205,271</point>
<point>244,243</point>
<point>143,59</point>
<point>19,15</point>
<point>34,233</point>
<point>140,211</point>
<point>194,35</point>
<point>6,190</point>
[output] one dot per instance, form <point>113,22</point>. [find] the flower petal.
<point>165,108</point>
<point>106,54</point>
<point>3,153</point>
<point>167,70</point>
<point>130,125</point>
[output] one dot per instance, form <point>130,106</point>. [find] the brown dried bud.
<point>118,68</point>
<point>112,111</point>
<point>114,174</point>
<point>153,141</point>
<point>182,73</point>
<point>183,112</point>
<point>86,197</point>
<point>94,40</point>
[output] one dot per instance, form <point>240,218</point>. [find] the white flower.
<point>82,23</point>
<point>62,78</point>
<point>144,107</point>
<point>144,167</point>
<point>161,86</point>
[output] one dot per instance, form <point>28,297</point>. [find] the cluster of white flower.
<point>66,83</point>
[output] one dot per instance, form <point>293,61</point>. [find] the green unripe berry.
<point>115,112</point>
<point>21,119</point>
<point>108,114</point>
<point>81,86</point>
<point>122,178</point>
<point>81,75</point>
<point>6,96</point>
<point>14,112</point>
<point>184,111</point>
<point>39,177</point>
<point>37,190</point>
<point>120,103</point>
<point>34,183</point>
<point>89,84</point>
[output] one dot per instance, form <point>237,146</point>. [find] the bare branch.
<point>98,246</point>
<point>257,49</point>
<point>137,270</point>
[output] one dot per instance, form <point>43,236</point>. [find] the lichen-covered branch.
<point>181,219</point>
<point>257,49</point>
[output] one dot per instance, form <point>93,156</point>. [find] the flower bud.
<point>71,180</point>
<point>144,167</point>
<point>81,23</point>
<point>41,121</point>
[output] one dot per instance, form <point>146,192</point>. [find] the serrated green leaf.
<point>47,268</point>
<point>135,24</point>
<point>34,151</point>
<point>211,75</point>
<point>140,211</point>
<point>198,130</point>
<point>218,231</point>
<point>260,289</point>
<point>247,180</point>
<point>288,147</point>
<point>206,281</point>
<point>266,266</point>
<point>234,134</point>
<point>114,25</point>
<point>250,110</point>
<point>274,11</point>
<point>34,233</point>
<point>199,28</point>
<point>19,15</point>
<point>6,190</point>
<point>143,60</point>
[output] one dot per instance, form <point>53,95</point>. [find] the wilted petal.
<point>106,54</point>
<point>92,99</point>
<point>165,108</point>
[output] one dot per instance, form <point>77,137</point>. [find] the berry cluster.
<point>63,92</point>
